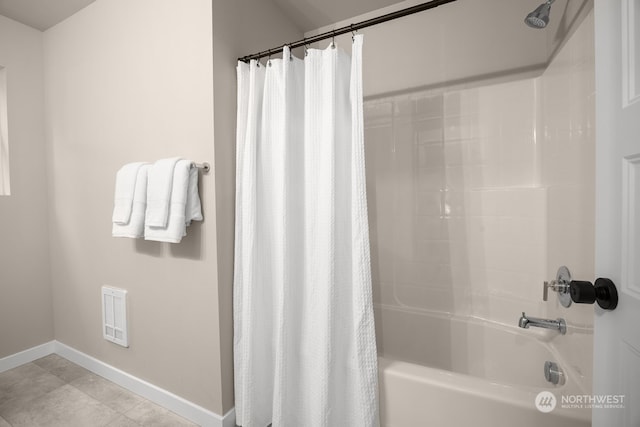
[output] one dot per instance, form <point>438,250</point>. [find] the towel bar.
<point>206,167</point>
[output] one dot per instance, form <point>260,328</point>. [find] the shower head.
<point>539,18</point>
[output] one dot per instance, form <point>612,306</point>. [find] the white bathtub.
<point>444,371</point>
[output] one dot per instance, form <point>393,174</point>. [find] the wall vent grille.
<point>114,315</point>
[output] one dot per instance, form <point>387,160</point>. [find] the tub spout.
<point>524,322</point>
<point>558,324</point>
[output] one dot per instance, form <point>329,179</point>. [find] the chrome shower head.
<point>539,18</point>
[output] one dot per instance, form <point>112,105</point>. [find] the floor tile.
<point>55,392</point>
<point>106,392</point>
<point>9,378</point>
<point>121,421</point>
<point>149,414</point>
<point>65,406</point>
<point>61,367</point>
<point>20,386</point>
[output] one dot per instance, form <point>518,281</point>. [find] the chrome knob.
<point>553,373</point>
<point>560,285</point>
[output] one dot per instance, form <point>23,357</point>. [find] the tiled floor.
<point>55,392</point>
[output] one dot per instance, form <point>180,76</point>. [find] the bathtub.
<point>446,371</point>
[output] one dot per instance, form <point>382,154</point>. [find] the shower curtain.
<point>304,338</point>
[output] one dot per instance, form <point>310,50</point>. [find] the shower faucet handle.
<point>555,286</point>
<point>545,291</point>
<point>559,285</point>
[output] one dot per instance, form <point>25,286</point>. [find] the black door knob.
<point>582,292</point>
<point>604,292</point>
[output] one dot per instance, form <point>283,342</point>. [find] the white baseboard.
<point>26,356</point>
<point>229,419</point>
<point>164,398</point>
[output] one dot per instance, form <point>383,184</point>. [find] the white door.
<point>617,333</point>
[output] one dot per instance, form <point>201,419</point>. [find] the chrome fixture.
<point>560,285</point>
<point>558,324</point>
<point>553,373</point>
<point>539,18</point>
<point>206,167</point>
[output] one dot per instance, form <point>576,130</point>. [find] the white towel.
<point>194,208</point>
<point>159,190</point>
<point>135,226</point>
<point>125,187</point>
<point>184,206</point>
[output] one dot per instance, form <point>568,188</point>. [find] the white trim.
<point>630,93</point>
<point>26,356</point>
<point>164,398</point>
<point>229,419</point>
<point>630,243</point>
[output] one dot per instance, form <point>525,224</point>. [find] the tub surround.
<point>475,189</point>
<point>470,205</point>
<point>457,212</point>
<point>567,111</point>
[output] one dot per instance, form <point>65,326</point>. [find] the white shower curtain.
<point>304,338</point>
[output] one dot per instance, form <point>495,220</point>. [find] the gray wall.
<point>26,317</point>
<point>129,81</point>
<point>123,81</point>
<point>143,92</point>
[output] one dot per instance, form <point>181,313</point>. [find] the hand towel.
<point>159,190</point>
<point>125,186</point>
<point>184,206</point>
<point>135,227</point>
<point>194,208</point>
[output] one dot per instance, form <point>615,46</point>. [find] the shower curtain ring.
<point>306,47</point>
<point>353,33</point>
<point>333,40</point>
<point>269,59</point>
<point>282,49</point>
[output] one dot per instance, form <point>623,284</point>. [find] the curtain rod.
<point>349,28</point>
